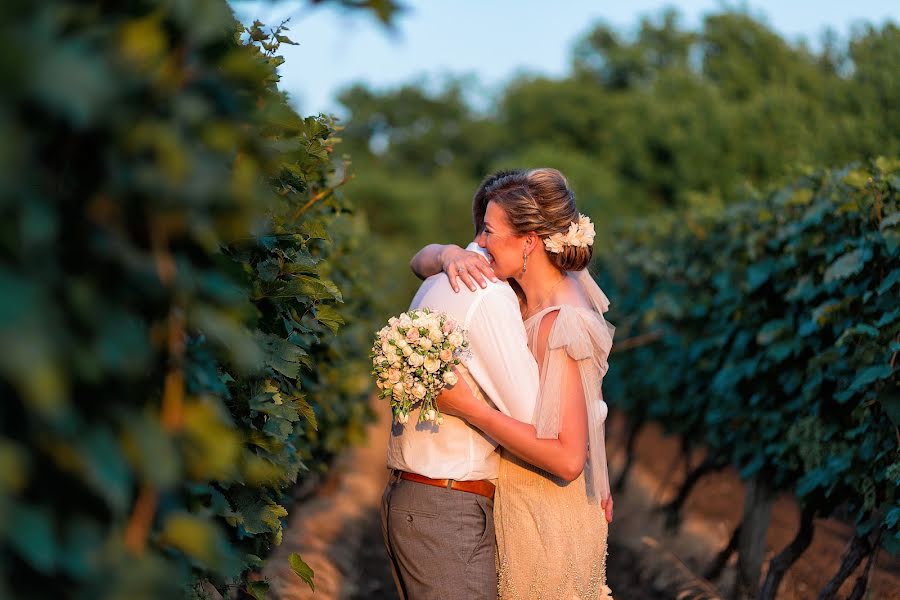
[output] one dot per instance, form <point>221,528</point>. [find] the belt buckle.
<point>450,484</point>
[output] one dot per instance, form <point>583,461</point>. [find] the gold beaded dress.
<point>552,535</point>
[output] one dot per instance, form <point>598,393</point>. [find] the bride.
<point>553,503</point>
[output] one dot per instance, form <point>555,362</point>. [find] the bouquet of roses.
<point>413,358</point>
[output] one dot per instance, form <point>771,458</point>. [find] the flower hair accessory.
<point>580,234</point>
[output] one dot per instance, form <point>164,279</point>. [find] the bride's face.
<point>504,245</point>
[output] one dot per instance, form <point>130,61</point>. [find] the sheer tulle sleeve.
<point>585,337</point>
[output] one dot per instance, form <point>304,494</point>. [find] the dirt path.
<point>338,533</point>
<point>714,509</point>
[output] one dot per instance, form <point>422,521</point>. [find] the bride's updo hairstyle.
<point>541,201</point>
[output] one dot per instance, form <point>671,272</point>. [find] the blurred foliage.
<point>664,119</point>
<point>176,259</point>
<point>781,334</point>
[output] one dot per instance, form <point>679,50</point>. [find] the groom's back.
<point>436,294</point>
<point>500,365</point>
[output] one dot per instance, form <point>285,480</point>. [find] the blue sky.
<point>493,40</point>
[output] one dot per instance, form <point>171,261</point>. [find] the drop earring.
<point>524,261</point>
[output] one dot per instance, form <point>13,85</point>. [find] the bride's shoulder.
<point>571,295</point>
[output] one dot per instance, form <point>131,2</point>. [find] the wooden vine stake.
<point>751,543</point>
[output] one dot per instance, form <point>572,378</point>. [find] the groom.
<point>437,509</point>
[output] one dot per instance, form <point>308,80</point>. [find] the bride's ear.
<point>531,241</point>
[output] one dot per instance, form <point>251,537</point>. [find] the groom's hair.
<point>483,193</point>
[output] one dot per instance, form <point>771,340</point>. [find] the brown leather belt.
<point>481,487</point>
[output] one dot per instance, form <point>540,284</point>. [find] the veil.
<point>597,470</point>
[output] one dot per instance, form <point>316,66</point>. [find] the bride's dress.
<point>552,535</point>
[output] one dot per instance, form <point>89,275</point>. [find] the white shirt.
<point>499,362</point>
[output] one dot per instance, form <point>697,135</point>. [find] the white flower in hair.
<point>580,234</point>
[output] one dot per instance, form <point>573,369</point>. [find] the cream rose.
<point>393,375</point>
<point>416,359</point>
<point>450,378</point>
<point>446,354</point>
<point>432,365</point>
<point>424,343</point>
<point>456,339</point>
<point>419,391</point>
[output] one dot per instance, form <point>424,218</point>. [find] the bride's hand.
<point>459,401</point>
<point>471,267</point>
<point>608,509</point>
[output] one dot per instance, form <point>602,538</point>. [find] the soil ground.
<point>337,531</point>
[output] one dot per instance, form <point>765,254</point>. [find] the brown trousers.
<point>440,541</point>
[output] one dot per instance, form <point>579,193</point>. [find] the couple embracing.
<point>511,491</point>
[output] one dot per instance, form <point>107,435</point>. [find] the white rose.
<point>393,375</point>
<point>430,415</point>
<point>435,335</point>
<point>419,391</point>
<point>398,389</point>
<point>450,378</point>
<point>555,243</point>
<point>416,359</point>
<point>446,354</point>
<point>587,229</point>
<point>387,349</point>
<point>456,339</point>
<point>407,351</point>
<point>424,343</point>
<point>402,418</point>
<point>432,365</point>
